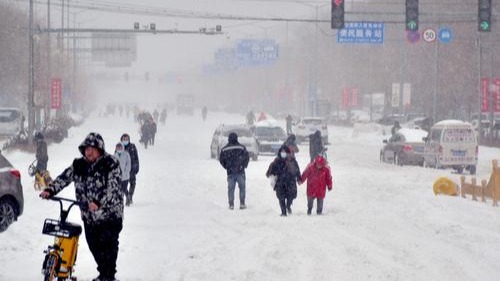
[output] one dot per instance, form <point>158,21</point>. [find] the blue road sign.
<point>253,52</point>
<point>445,35</point>
<point>361,33</point>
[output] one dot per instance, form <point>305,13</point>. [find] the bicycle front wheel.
<point>50,266</point>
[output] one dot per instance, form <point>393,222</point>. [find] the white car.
<point>269,135</point>
<point>308,126</point>
<point>245,137</point>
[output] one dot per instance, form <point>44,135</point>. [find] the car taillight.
<point>407,148</point>
<point>16,174</point>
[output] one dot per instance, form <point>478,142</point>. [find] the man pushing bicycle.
<point>97,178</point>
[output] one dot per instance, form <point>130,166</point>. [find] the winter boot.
<point>231,207</point>
<point>242,205</point>
<point>309,210</point>
<point>128,201</point>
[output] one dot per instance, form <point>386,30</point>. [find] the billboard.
<point>114,49</point>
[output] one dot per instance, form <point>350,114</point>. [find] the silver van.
<point>452,144</point>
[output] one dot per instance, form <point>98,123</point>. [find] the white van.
<point>10,121</point>
<point>452,144</point>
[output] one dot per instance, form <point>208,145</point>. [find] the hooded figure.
<point>319,178</point>
<point>292,144</point>
<point>287,172</point>
<point>316,146</point>
<point>96,177</point>
<point>234,158</point>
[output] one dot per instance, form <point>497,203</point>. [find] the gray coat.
<point>125,164</point>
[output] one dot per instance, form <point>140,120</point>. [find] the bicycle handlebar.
<point>64,213</point>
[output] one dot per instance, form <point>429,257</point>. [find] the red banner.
<point>345,97</point>
<point>354,97</point>
<point>56,94</point>
<point>485,94</point>
<point>496,95</point>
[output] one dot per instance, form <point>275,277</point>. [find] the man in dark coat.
<point>316,146</point>
<point>134,158</point>
<point>41,153</point>
<point>234,158</point>
<point>97,178</point>
<point>287,172</point>
<point>289,120</point>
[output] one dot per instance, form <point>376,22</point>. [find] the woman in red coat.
<point>319,178</point>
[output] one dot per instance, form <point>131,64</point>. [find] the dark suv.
<point>11,194</point>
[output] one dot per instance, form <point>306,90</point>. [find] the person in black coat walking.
<point>41,153</point>
<point>287,172</point>
<point>234,158</point>
<point>316,146</point>
<point>134,159</point>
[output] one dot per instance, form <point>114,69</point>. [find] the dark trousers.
<point>41,166</point>
<point>131,189</point>
<point>124,188</point>
<point>319,207</point>
<point>285,204</point>
<point>102,239</point>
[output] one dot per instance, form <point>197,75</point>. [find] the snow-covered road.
<point>381,222</point>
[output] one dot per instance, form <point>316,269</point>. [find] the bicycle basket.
<point>32,170</point>
<point>55,228</point>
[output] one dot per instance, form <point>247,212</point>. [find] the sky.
<point>381,222</point>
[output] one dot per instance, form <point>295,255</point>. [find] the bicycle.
<point>60,257</point>
<point>42,178</point>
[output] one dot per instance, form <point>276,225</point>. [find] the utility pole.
<point>49,68</point>
<point>31,89</point>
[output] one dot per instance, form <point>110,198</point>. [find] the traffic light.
<point>411,15</point>
<point>337,14</point>
<point>484,15</point>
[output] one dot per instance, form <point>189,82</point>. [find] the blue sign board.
<point>253,52</point>
<point>361,33</point>
<point>445,35</point>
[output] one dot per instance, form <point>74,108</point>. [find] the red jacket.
<point>317,179</point>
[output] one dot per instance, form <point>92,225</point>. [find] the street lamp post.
<point>31,88</point>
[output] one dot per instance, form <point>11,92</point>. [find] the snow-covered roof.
<point>413,135</point>
<point>267,123</point>
<point>450,122</point>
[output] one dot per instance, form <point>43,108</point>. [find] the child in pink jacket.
<point>319,178</point>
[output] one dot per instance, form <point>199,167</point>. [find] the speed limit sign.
<point>429,35</point>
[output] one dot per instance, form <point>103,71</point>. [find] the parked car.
<point>11,121</point>
<point>405,147</point>
<point>452,144</point>
<point>11,194</point>
<point>245,137</point>
<point>269,135</point>
<point>308,126</point>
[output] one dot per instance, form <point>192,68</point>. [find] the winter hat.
<point>285,148</point>
<point>232,138</point>
<point>93,140</point>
